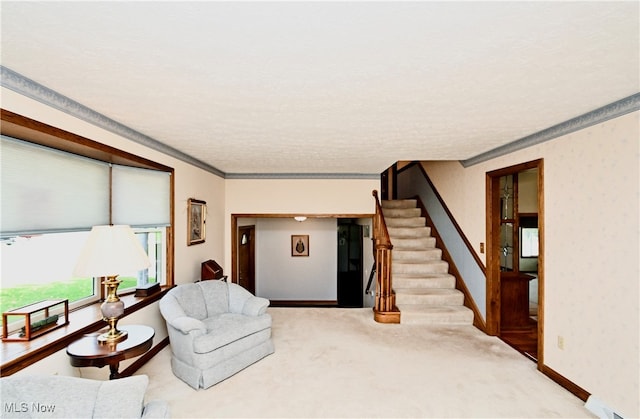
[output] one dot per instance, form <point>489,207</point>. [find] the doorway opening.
<point>515,269</point>
<point>350,263</point>
<point>263,258</point>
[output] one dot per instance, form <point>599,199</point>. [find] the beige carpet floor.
<point>339,363</point>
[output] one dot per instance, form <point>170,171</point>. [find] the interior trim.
<point>304,303</point>
<point>375,176</point>
<point>613,110</point>
<point>31,89</point>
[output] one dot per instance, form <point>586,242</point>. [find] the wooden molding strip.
<point>570,386</point>
<point>304,303</point>
<point>146,357</point>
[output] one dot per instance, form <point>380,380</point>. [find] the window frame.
<point>30,130</point>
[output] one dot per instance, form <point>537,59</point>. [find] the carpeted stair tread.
<point>418,269</point>
<point>427,281</point>
<point>400,203</point>
<point>413,244</point>
<point>421,314</point>
<point>401,212</point>
<point>429,296</point>
<point>405,221</point>
<point>408,232</point>
<point>416,256</point>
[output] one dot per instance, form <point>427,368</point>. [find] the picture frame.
<point>299,245</point>
<point>196,221</point>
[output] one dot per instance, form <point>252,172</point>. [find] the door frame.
<point>251,229</point>
<point>235,237</point>
<point>493,248</point>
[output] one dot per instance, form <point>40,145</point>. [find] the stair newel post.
<point>385,310</point>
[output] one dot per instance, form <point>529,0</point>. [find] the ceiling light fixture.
<point>300,218</point>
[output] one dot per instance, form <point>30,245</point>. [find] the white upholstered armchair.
<point>216,329</point>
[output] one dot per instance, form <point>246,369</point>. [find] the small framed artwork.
<point>196,213</point>
<point>299,245</point>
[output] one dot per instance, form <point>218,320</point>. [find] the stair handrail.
<point>380,232</point>
<point>385,309</point>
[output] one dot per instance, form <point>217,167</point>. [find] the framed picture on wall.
<point>196,213</point>
<point>299,245</point>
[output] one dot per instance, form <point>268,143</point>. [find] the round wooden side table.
<point>88,352</point>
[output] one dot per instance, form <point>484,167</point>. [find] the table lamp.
<point>109,251</point>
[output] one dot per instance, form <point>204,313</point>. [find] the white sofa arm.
<point>156,409</point>
<point>187,324</point>
<point>255,306</point>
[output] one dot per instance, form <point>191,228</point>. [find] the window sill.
<point>18,355</point>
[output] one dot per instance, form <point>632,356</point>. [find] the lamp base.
<point>111,337</point>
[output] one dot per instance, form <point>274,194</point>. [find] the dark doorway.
<point>246,258</point>
<point>350,264</point>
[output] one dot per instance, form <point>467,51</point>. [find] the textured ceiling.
<point>328,87</point>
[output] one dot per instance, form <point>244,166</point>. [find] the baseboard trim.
<point>146,357</point>
<point>570,386</point>
<point>304,303</point>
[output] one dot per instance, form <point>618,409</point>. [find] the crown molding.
<point>613,110</point>
<point>375,176</point>
<point>31,89</point>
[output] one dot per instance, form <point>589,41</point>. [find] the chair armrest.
<point>156,409</point>
<point>187,324</point>
<point>255,306</point>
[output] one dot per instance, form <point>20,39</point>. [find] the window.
<point>47,214</point>
<point>34,268</point>
<point>529,242</point>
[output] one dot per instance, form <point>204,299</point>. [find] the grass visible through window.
<point>77,289</point>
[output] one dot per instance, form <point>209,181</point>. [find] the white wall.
<point>295,196</point>
<point>280,276</point>
<point>591,207</point>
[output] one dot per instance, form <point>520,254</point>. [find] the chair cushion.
<point>191,300</point>
<point>228,327</point>
<point>72,397</point>
<point>216,296</point>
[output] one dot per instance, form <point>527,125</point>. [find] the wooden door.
<point>246,258</point>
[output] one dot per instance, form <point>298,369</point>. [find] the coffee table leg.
<point>114,371</point>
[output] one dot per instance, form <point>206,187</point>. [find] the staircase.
<point>425,291</point>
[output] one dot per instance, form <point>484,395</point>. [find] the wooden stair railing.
<point>384,310</point>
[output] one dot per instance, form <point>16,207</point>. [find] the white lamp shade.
<point>111,250</point>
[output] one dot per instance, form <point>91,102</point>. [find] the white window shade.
<point>45,190</point>
<point>141,197</point>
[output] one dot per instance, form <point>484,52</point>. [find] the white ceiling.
<point>329,87</point>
